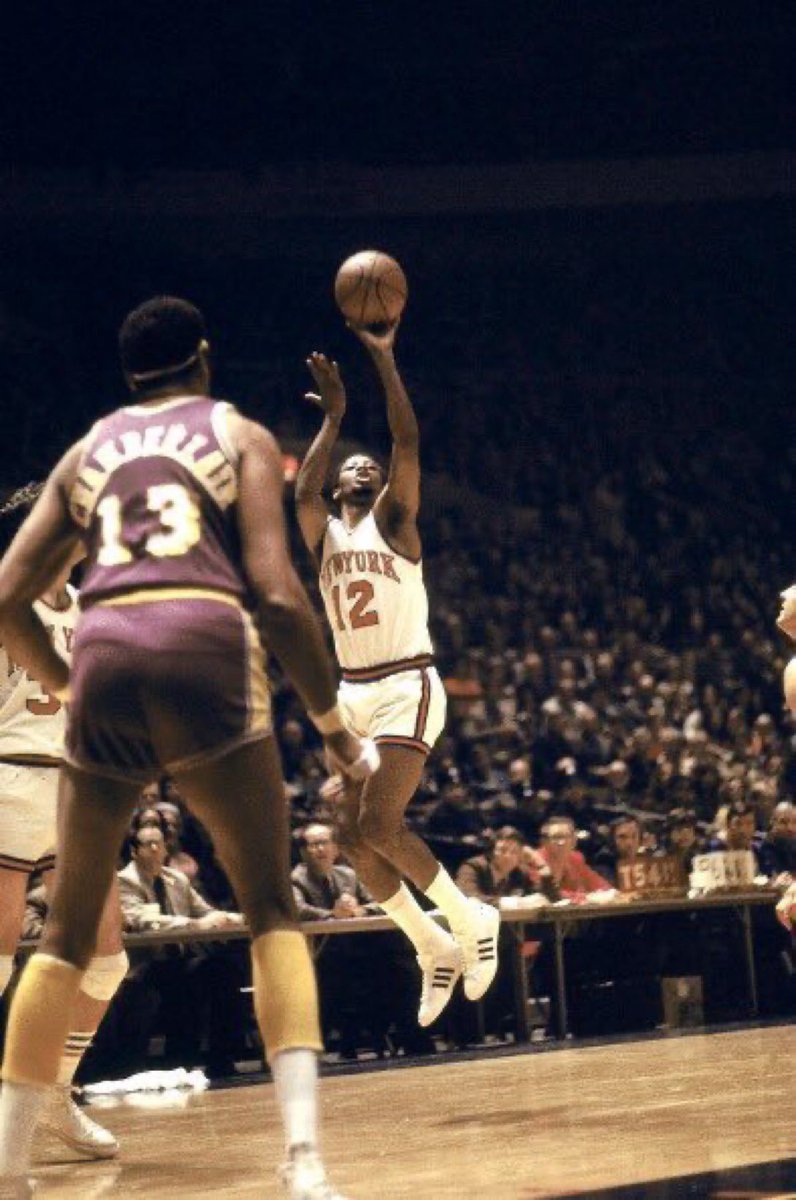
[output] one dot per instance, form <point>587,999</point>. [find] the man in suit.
<point>323,887</point>
<point>188,986</point>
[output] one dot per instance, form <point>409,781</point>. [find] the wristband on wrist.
<point>328,722</point>
<point>63,694</point>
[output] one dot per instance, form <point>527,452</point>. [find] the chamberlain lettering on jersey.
<point>192,450</point>
<point>156,491</point>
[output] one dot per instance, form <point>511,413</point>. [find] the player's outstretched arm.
<point>311,508</point>
<point>397,507</point>
<point>41,550</point>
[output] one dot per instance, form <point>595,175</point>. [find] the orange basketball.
<point>370,288</point>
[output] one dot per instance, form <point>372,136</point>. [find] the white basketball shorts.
<point>28,803</point>
<point>403,709</point>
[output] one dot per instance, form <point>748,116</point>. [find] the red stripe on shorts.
<point>422,711</point>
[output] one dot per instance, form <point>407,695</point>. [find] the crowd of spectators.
<point>603,554</point>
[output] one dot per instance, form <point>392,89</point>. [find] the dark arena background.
<point>593,205</point>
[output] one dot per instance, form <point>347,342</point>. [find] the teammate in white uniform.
<point>371,579</point>
<point>787,623</point>
<point>32,727</point>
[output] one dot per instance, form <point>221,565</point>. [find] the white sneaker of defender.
<point>68,1122</point>
<point>304,1178</point>
<point>442,966</point>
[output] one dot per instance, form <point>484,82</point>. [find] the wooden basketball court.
<point>523,1126</point>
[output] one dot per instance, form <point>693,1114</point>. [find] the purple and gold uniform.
<point>169,671</point>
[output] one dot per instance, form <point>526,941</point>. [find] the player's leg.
<point>13,885</point>
<point>385,797</point>
<point>240,799</point>
<point>106,970</point>
<point>92,817</point>
<point>437,953</point>
<point>27,827</point>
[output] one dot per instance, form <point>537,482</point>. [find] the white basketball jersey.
<point>375,599</point>
<point>32,721</point>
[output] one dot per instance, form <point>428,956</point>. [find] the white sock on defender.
<point>77,1044</point>
<point>295,1075</point>
<point>20,1107</point>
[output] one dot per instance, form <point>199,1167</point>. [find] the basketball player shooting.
<point>371,580</point>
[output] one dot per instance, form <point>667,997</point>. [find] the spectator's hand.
<point>215,920</point>
<point>786,909</point>
<point>345,906</point>
<point>533,859</point>
<point>326,373</point>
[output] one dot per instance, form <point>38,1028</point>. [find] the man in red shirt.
<point>571,873</point>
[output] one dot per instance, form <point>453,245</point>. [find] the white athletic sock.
<point>77,1044</point>
<point>295,1075</point>
<point>421,929</point>
<point>444,893</point>
<point>6,971</point>
<point>20,1108</point>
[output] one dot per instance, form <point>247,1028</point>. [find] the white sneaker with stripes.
<point>442,966</point>
<point>478,942</point>
<point>304,1178</point>
<point>68,1122</point>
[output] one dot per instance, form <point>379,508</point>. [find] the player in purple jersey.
<point>179,502</point>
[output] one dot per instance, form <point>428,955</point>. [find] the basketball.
<point>370,288</point>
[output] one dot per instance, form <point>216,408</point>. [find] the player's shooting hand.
<point>377,341</point>
<point>326,373</point>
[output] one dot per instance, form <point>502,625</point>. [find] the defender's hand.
<point>326,373</point>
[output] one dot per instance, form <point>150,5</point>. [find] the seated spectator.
<point>777,853</point>
<point>484,779</point>
<point>571,874</point>
<point>740,831</point>
<point>455,815</point>
<point>324,887</point>
<point>529,805</point>
<point>365,983</point>
<point>502,870</point>
<point>178,982</point>
<point>623,849</point>
<point>681,838</point>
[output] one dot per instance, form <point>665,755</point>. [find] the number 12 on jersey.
<point>358,595</point>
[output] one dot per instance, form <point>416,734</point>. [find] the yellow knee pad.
<point>285,992</point>
<point>40,1019</point>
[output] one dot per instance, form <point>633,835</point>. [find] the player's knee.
<point>104,974</point>
<point>351,841</point>
<point>6,971</point>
